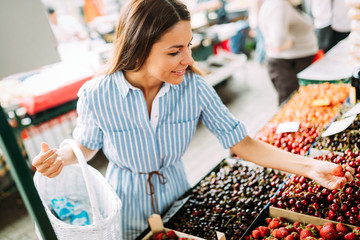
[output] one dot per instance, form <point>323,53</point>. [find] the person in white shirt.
<point>330,19</point>
<point>291,44</point>
<point>66,28</point>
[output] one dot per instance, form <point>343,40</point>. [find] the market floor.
<point>250,97</point>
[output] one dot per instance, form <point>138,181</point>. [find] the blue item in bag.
<point>80,219</point>
<point>71,212</point>
<point>62,207</point>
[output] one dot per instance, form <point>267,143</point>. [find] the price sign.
<point>288,127</point>
<point>354,110</point>
<point>338,126</point>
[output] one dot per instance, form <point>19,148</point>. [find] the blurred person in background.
<point>330,20</point>
<point>290,42</point>
<point>66,28</point>
<point>254,9</point>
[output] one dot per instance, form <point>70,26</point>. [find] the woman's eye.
<point>174,54</point>
<point>189,44</point>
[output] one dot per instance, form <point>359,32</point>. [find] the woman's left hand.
<point>323,173</point>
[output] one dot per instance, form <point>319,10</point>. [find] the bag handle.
<point>88,181</point>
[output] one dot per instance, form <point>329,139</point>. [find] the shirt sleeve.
<point>217,117</point>
<point>87,131</point>
<point>275,23</point>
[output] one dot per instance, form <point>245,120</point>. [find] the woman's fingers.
<point>349,176</point>
<point>53,167</point>
<point>41,158</point>
<point>57,171</point>
<point>47,163</point>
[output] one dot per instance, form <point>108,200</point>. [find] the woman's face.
<point>171,55</point>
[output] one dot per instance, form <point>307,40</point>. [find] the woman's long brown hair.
<point>141,24</point>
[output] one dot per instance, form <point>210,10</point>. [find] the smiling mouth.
<point>179,72</point>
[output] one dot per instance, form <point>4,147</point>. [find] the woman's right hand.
<point>48,162</point>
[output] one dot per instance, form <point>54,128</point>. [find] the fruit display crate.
<point>313,107</point>
<point>289,223</point>
<point>226,200</point>
<point>303,195</point>
<point>159,232</point>
<point>348,138</point>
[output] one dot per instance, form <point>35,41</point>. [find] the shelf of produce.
<point>274,218</point>
<point>226,200</point>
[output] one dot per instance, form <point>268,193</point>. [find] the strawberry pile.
<point>280,228</point>
<point>170,235</point>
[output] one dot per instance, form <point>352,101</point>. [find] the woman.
<point>144,113</point>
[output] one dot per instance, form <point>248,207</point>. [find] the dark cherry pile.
<point>303,195</point>
<point>227,201</point>
<point>347,139</point>
<point>296,142</point>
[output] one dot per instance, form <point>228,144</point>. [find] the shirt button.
<point>156,116</point>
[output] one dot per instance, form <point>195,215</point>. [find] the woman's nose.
<point>188,59</point>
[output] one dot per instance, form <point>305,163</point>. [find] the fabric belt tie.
<point>150,190</point>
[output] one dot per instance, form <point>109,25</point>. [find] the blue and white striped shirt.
<point>113,116</point>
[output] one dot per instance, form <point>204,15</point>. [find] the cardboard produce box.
<point>299,217</point>
<point>157,226</point>
<point>274,212</point>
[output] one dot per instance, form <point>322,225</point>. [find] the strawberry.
<point>290,237</point>
<point>264,231</point>
<point>171,235</point>
<point>329,233</point>
<point>298,229</point>
<point>281,232</point>
<point>340,236</point>
<point>356,230</point>
<point>310,226</point>
<point>159,236</point>
<point>338,171</point>
<point>330,224</point>
<point>350,236</point>
<point>305,233</point>
<point>256,234</point>
<point>296,224</point>
<point>275,223</point>
<point>313,229</point>
<point>268,220</point>
<point>296,235</point>
<point>340,227</point>
<point>319,227</point>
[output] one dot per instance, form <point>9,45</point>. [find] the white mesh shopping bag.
<point>83,183</point>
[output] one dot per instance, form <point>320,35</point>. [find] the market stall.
<point>235,195</point>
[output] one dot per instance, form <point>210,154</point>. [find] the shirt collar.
<point>125,86</point>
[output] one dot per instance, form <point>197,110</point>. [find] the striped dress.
<point>113,117</point>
